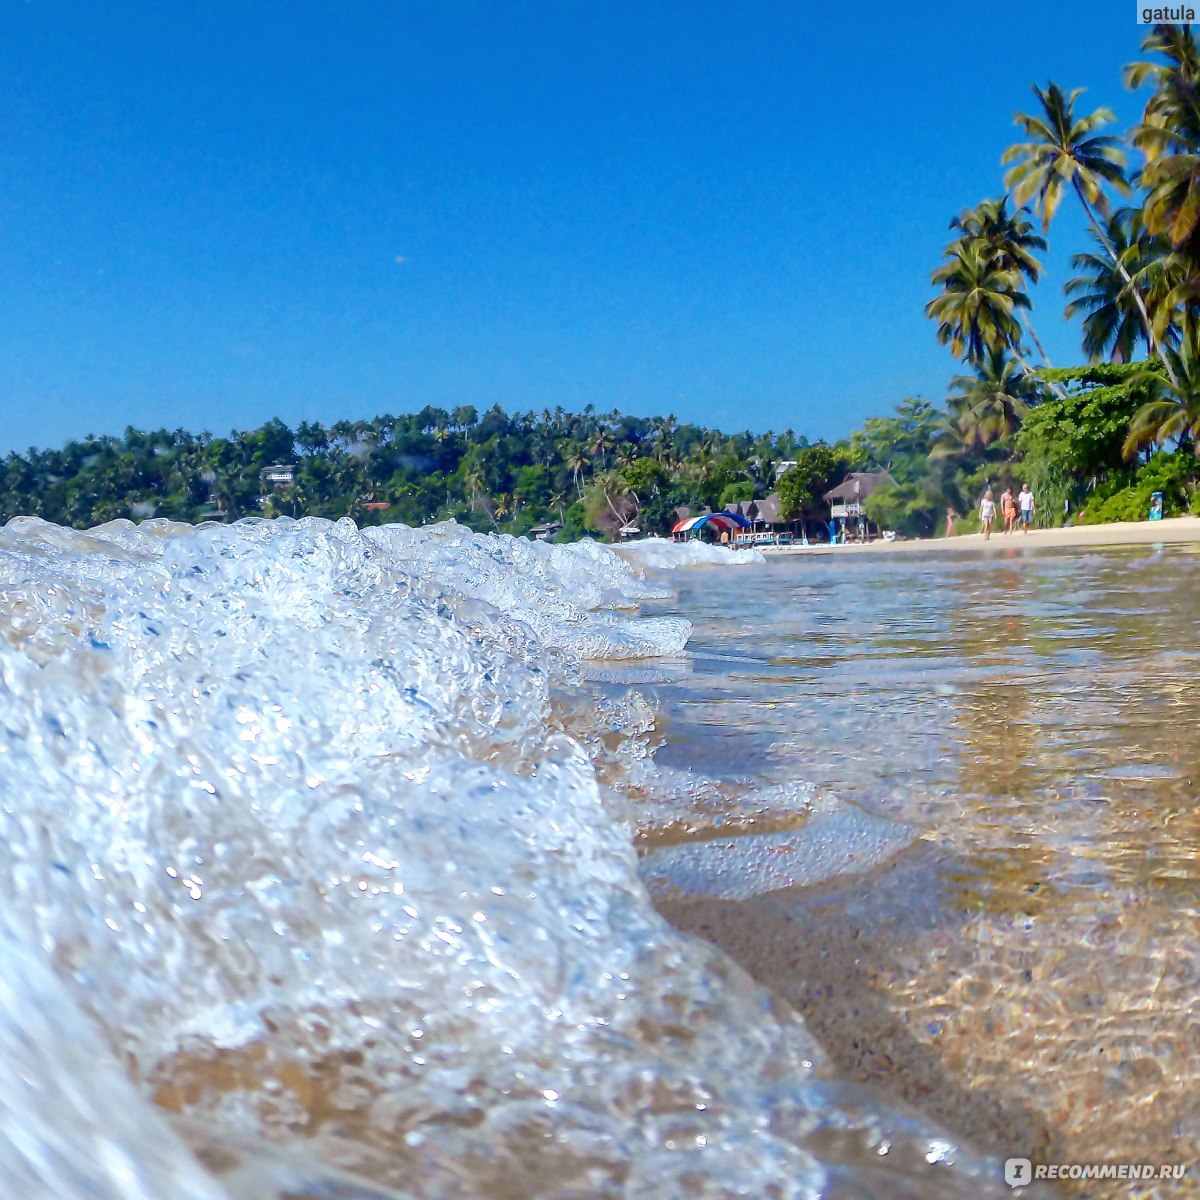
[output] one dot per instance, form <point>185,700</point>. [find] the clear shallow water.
<point>319,873</point>
<point>1027,967</point>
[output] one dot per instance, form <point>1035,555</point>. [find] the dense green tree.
<point>818,468</point>
<point>899,444</point>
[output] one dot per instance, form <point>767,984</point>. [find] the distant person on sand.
<point>1008,506</point>
<point>950,516</point>
<point>987,513</point>
<point>1025,504</point>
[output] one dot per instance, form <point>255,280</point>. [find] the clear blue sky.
<point>214,212</point>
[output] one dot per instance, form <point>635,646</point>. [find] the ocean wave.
<point>661,554</point>
<point>317,881</point>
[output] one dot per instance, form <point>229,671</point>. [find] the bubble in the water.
<point>308,855</point>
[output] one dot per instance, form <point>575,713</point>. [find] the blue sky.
<point>211,214</point>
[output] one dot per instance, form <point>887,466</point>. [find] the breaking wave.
<point>319,880</point>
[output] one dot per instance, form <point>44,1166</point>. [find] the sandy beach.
<point>1118,533</point>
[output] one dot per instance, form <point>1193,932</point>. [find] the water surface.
<point>1026,967</point>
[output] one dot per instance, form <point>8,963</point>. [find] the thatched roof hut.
<point>767,511</point>
<point>857,486</point>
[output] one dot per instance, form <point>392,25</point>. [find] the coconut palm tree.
<point>991,404</point>
<point>1169,137</point>
<point>576,461</point>
<point>976,310</point>
<point>1064,150</point>
<point>1178,45</point>
<point>1112,323</point>
<point>601,444</point>
<point>1067,150</point>
<point>1175,410</point>
<point>1009,241</point>
<point>473,478</point>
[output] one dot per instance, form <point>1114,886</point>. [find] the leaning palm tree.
<point>1009,236</point>
<point>976,311</point>
<point>1067,150</point>
<point>1175,410</point>
<point>1112,323</point>
<point>1064,150</point>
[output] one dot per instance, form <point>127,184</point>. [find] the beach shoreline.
<point>1174,530</point>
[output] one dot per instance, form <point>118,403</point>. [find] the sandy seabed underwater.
<point>318,877</point>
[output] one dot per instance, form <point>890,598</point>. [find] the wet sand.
<point>1118,533</point>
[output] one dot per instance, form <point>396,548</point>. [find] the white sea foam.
<point>293,825</point>
<point>661,554</point>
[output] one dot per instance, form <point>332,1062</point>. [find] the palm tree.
<point>576,461</point>
<point>1009,242</point>
<point>1112,323</point>
<point>473,478</point>
<point>1175,410</point>
<point>991,404</point>
<point>1178,45</point>
<point>701,467</point>
<point>976,310</point>
<point>1067,149</point>
<point>1169,137</point>
<point>601,445</point>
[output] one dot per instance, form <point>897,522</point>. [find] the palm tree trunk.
<point>1056,388</point>
<point>1151,340</point>
<point>1033,337</point>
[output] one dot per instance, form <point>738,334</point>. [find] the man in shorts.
<point>1025,505</point>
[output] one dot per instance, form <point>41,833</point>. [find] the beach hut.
<point>719,522</point>
<point>767,523</point>
<point>847,500</point>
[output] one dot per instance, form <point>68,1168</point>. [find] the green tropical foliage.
<point>1172,412</point>
<point>1095,440</point>
<point>590,472</point>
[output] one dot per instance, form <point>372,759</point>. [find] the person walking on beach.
<point>950,517</point>
<point>1025,503</point>
<point>987,513</point>
<point>1008,506</point>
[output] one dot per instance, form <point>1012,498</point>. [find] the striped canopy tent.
<point>721,520</point>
